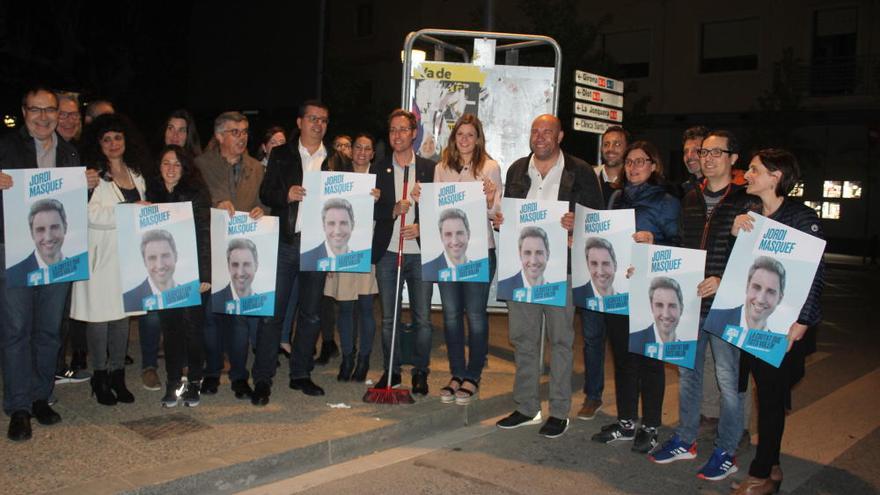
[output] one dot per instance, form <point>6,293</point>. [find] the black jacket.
<point>201,204</point>
<point>712,233</point>
<point>17,150</point>
<point>383,211</point>
<point>578,184</point>
<point>284,170</point>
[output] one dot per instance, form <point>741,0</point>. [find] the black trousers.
<point>634,375</point>
<point>773,388</point>
<point>183,332</point>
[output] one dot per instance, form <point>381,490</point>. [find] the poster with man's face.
<point>664,316</point>
<point>600,255</point>
<point>46,226</point>
<point>244,258</point>
<point>337,222</point>
<point>454,230</point>
<point>764,286</point>
<point>158,257</point>
<point>533,252</point>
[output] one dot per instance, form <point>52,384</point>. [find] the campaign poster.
<point>337,222</point>
<point>453,226</point>
<point>664,315</point>
<point>766,282</point>
<point>600,255</point>
<point>244,261</point>
<point>158,256</point>
<point>533,254</point>
<point>46,225</point>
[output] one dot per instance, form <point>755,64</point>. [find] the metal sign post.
<point>598,94</point>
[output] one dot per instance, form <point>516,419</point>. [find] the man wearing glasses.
<point>30,317</point>
<point>283,192</point>
<point>233,178</point>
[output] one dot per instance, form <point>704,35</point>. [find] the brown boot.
<point>754,486</point>
<point>589,409</point>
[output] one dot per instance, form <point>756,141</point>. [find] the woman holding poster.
<point>182,328</point>
<point>465,160</point>
<point>657,218</point>
<point>119,159</point>
<point>771,176</point>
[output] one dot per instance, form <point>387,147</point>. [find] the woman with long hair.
<point>641,187</point>
<point>771,176</point>
<point>119,158</point>
<point>180,129</point>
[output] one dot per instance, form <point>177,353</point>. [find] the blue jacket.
<point>657,211</point>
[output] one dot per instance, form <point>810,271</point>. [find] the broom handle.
<point>397,285</point>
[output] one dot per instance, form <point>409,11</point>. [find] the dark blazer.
<point>383,211</point>
<point>16,275</point>
<point>310,258</point>
<point>508,285</point>
<point>285,169</point>
<point>638,340</point>
<point>133,300</point>
<point>17,150</point>
<point>433,267</point>
<point>718,319</point>
<point>218,299</point>
<point>581,293</point>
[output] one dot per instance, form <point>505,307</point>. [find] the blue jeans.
<point>730,424</point>
<point>459,298</point>
<point>30,336</point>
<point>149,329</point>
<point>593,326</point>
<point>366,325</point>
<point>419,306</point>
<point>229,334</point>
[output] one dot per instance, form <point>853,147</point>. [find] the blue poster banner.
<point>46,226</point>
<point>600,255</point>
<point>454,231</point>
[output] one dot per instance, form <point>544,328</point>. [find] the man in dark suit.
<point>399,167</point>
<point>765,287</point>
<point>602,265</point>
<point>455,234</point>
<point>534,251</point>
<point>159,253</point>
<point>337,218</point>
<point>637,340</point>
<point>547,173</point>
<point>242,261</point>
<point>48,226</point>
<point>667,302</point>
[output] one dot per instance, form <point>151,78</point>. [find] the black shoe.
<point>383,382</point>
<point>172,394</point>
<point>328,350</point>
<point>622,430</point>
<point>117,384</point>
<point>646,440</point>
<point>517,419</point>
<point>420,383</point>
<point>101,388</point>
<point>210,384</point>
<point>192,396</point>
<point>45,415</point>
<point>361,369</point>
<point>554,427</point>
<point>306,386</point>
<point>19,426</point>
<point>262,391</point>
<point>242,389</point>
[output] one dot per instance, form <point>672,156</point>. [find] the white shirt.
<point>545,187</point>
<point>42,264</point>
<point>310,163</point>
<point>659,340</point>
<point>410,246</point>
<point>157,290</point>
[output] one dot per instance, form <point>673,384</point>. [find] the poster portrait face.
<point>337,216</point>
<point>533,253</point>
<point>764,290</point>
<point>241,257</point>
<point>160,257</point>
<point>48,225</point>
<point>602,263</point>
<point>666,308</point>
<point>455,233</point>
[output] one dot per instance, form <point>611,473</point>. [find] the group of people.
<point>706,212</point>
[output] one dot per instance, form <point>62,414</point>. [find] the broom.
<point>386,394</point>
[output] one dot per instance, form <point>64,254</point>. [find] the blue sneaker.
<point>674,450</point>
<point>720,466</point>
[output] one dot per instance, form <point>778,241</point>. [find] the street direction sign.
<point>597,112</point>
<point>594,126</point>
<point>597,81</point>
<point>596,96</point>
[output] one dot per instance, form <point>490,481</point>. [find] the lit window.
<point>815,205</point>
<point>852,189</point>
<point>831,210</point>
<point>797,191</point>
<point>832,189</point>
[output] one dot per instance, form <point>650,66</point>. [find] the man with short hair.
<point>69,117</point>
<point>546,174</point>
<point>233,178</point>
<point>96,108</point>
<point>337,218</point>
<point>533,248</point>
<point>48,226</point>
<point>692,142</point>
<point>283,192</point>
<point>243,262</point>
<point>402,165</point>
<point>159,254</point>
<point>30,317</point>
<point>708,212</point>
<point>455,234</point>
<point>667,302</point>
<point>615,139</point>
<point>765,287</point>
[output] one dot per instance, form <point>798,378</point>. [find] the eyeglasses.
<point>237,132</point>
<point>68,115</point>
<point>43,110</point>
<point>343,146</point>
<point>314,118</point>
<point>715,152</point>
<point>638,162</point>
